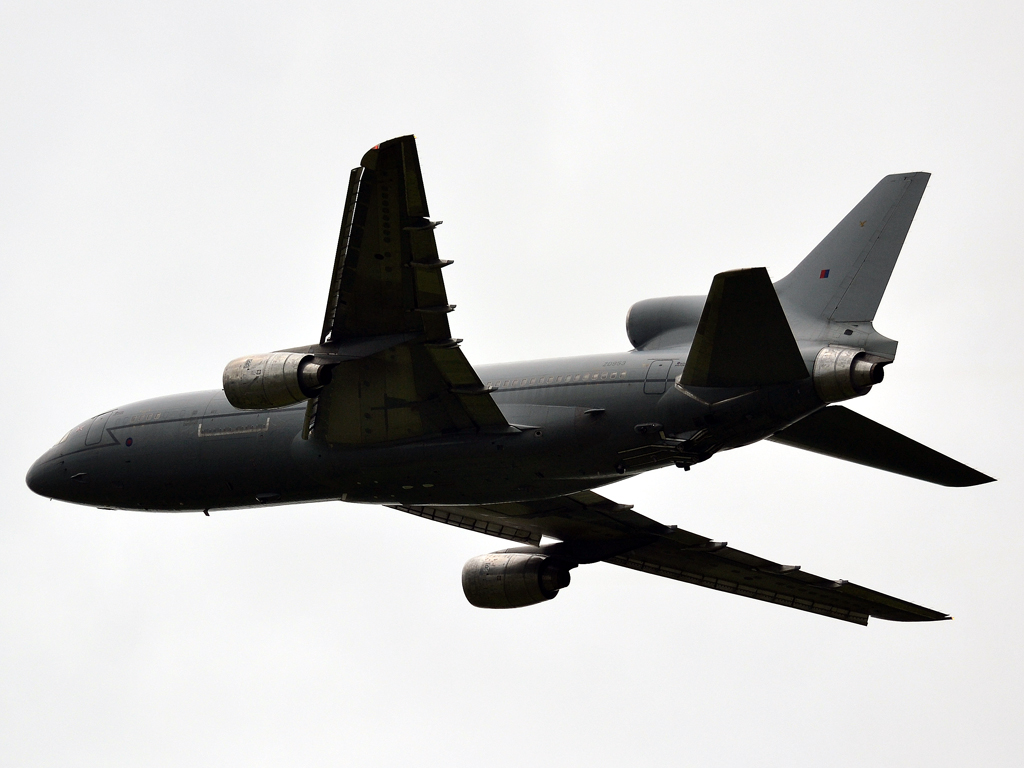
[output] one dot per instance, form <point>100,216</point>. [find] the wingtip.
<point>369,160</point>
<point>924,176</point>
<point>975,478</point>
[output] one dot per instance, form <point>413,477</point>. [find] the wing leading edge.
<point>591,528</point>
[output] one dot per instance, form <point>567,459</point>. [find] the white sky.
<point>174,175</point>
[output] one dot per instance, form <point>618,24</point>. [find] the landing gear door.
<point>657,373</point>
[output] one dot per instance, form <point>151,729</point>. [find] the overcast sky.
<point>173,179</point>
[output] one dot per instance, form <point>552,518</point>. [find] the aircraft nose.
<point>43,476</point>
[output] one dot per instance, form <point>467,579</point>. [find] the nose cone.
<point>43,476</point>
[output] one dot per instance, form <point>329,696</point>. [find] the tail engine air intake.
<point>844,372</point>
<point>273,380</point>
<point>512,579</point>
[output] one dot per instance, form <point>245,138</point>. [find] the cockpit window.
<point>64,439</point>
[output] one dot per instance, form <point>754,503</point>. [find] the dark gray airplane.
<point>386,409</point>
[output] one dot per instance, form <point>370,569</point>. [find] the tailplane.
<point>843,434</point>
<point>743,337</point>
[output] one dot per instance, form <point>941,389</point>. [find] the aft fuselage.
<point>578,423</point>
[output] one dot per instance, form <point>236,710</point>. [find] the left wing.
<point>590,528</point>
<point>387,295</point>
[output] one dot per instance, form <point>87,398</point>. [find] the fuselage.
<point>578,423</point>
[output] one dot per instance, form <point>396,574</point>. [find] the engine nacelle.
<point>273,380</point>
<point>512,579</point>
<point>844,372</point>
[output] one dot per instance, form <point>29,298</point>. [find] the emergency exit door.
<point>657,373</point>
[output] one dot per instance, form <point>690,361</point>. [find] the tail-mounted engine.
<point>512,579</point>
<point>844,372</point>
<point>273,380</point>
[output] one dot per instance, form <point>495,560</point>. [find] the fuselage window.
<point>533,380</point>
<point>515,383</point>
<point>577,377</point>
<point>506,382</point>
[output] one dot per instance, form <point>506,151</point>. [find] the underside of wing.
<point>720,567</point>
<point>387,284</point>
<point>591,528</point>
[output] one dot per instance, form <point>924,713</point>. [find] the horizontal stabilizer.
<point>743,337</point>
<point>842,434</point>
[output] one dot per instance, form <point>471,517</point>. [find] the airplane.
<point>385,409</point>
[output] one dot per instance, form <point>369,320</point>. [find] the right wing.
<point>387,296</point>
<point>590,528</point>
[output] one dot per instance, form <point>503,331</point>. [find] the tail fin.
<point>843,279</point>
<point>844,434</point>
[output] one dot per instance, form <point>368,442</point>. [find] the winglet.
<point>743,337</point>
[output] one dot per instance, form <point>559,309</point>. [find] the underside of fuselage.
<point>195,451</point>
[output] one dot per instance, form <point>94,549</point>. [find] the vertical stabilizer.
<point>844,277</point>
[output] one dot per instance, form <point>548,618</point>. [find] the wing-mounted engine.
<point>511,579</point>
<point>273,380</point>
<point>844,372</point>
